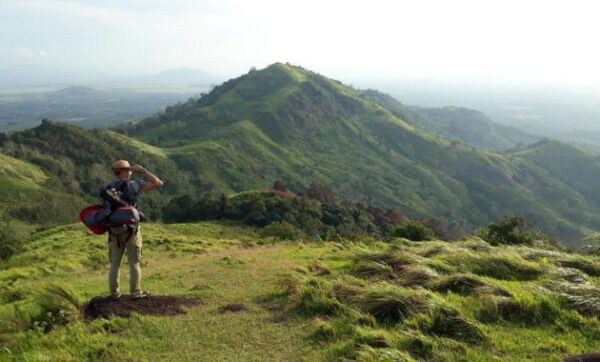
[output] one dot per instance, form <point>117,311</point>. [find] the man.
<point>123,192</point>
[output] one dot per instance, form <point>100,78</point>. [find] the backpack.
<point>92,217</point>
<point>118,209</point>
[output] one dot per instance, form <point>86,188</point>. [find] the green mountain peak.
<point>287,123</point>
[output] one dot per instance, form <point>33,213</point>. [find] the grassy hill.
<point>457,123</point>
<point>360,300</point>
<point>285,122</point>
<point>18,176</point>
<point>71,165</point>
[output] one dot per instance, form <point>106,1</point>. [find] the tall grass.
<point>57,306</point>
<point>53,306</point>
<point>523,309</point>
<point>465,284</point>
<point>445,321</point>
<point>503,267</point>
<point>390,304</point>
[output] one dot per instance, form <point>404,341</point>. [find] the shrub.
<point>509,230</point>
<point>282,231</point>
<point>413,230</point>
<point>322,193</point>
<point>441,231</point>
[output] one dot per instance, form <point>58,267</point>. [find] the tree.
<point>223,203</point>
<point>413,230</point>
<point>509,230</point>
<point>279,186</point>
<point>321,192</point>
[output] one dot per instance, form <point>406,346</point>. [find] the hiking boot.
<point>140,296</point>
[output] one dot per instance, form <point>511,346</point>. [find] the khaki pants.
<point>117,244</point>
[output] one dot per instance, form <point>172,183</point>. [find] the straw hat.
<point>121,165</point>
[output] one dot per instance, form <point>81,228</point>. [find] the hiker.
<point>124,192</point>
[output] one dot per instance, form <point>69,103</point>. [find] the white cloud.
<point>29,53</point>
<point>533,39</point>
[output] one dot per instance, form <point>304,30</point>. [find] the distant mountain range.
<point>189,76</point>
<point>85,106</point>
<point>37,75</point>
<point>456,123</point>
<point>286,122</point>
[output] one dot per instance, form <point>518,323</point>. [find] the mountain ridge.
<point>285,122</point>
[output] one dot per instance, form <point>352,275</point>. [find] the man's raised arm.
<point>153,181</point>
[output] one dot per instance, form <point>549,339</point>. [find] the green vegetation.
<point>413,230</point>
<point>288,123</point>
<point>480,308</point>
<point>314,213</point>
<point>510,230</point>
<point>456,123</point>
<point>360,299</point>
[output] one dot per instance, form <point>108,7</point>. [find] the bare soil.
<point>233,307</point>
<point>157,305</point>
<point>590,357</point>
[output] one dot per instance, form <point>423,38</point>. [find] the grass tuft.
<point>322,331</point>
<point>290,284</point>
<point>391,304</point>
<point>374,269</point>
<point>583,297</point>
<point>370,354</point>
<point>58,306</point>
<point>523,309</point>
<point>590,267</point>
<point>415,276</point>
<point>396,261</point>
<point>571,275</point>
<point>465,284</point>
<point>502,267</point>
<point>314,298</point>
<point>377,338</point>
<point>54,306</point>
<point>447,322</point>
<point>418,345</point>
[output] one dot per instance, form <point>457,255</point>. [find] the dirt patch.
<point>590,357</point>
<point>159,305</point>
<point>233,307</point>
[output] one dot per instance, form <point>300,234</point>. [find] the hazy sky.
<point>554,41</point>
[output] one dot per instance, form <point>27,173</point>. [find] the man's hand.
<point>136,168</point>
<point>153,181</point>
